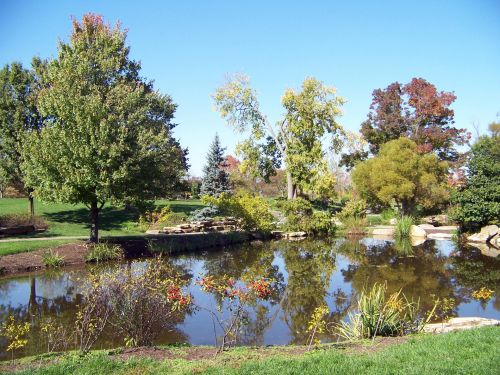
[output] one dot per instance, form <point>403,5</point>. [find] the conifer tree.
<point>215,179</point>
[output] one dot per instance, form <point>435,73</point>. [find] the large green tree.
<point>18,116</point>
<point>297,139</point>
<point>108,133</point>
<point>402,174</point>
<point>478,199</point>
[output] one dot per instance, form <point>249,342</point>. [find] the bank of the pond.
<point>133,246</point>
<point>474,351</point>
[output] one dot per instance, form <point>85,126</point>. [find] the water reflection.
<point>307,274</point>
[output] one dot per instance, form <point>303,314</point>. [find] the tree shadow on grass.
<point>110,218</point>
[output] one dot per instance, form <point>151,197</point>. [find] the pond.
<point>307,274</point>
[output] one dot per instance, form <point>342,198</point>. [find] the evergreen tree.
<point>215,179</point>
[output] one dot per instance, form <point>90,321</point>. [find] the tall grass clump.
<point>104,251</point>
<point>403,227</point>
<point>52,259</point>
<point>380,315</point>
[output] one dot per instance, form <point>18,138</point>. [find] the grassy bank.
<point>473,351</point>
<point>7,248</point>
<point>72,220</point>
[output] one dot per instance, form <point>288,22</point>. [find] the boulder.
<point>417,241</point>
<point>458,324</point>
<point>440,236</point>
<point>486,233</point>
<point>436,220</point>
<point>416,231</point>
<point>153,231</point>
<point>296,234</point>
<point>383,231</point>
<point>427,226</point>
<point>184,226</point>
<point>486,250</point>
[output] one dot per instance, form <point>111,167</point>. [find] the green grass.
<point>468,352</point>
<point>72,220</point>
<point>7,248</point>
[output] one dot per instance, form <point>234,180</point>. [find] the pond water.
<point>308,273</point>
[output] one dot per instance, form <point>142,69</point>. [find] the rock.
<point>296,234</point>
<point>486,250</point>
<point>383,231</point>
<point>427,226</point>
<point>382,237</point>
<point>417,241</point>
<point>485,234</point>
<point>440,236</point>
<point>495,241</point>
<point>416,231</point>
<point>277,234</point>
<point>437,220</point>
<point>184,226</point>
<point>393,221</point>
<point>458,324</point>
<point>153,231</point>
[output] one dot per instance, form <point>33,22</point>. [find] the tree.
<point>297,140</point>
<point>417,111</point>
<point>215,179</point>
<point>108,133</point>
<point>478,200</point>
<point>18,116</point>
<point>400,173</point>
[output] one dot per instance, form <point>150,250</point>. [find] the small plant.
<point>55,335</point>
<point>483,294</point>
<point>443,308</point>
<point>403,227</point>
<point>354,226</point>
<point>236,297</point>
<point>52,259</point>
<point>317,325</point>
<point>104,251</point>
<point>378,315</point>
<point>15,333</point>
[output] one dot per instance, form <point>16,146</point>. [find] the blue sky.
<point>188,47</point>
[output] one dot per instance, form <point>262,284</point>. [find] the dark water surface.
<point>308,273</point>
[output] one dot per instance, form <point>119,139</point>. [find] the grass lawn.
<point>7,248</point>
<point>72,220</point>
<point>468,352</point>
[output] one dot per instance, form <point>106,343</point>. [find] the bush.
<point>52,259</point>
<point>354,226</point>
<point>300,216</point>
<point>353,208</point>
<point>403,227</point>
<point>160,217</point>
<point>104,251</point>
<point>378,315</point>
<point>253,210</point>
<point>16,220</point>
<point>205,213</point>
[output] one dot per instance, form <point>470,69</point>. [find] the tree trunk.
<point>94,222</point>
<point>31,203</point>
<point>292,189</point>
<point>407,207</point>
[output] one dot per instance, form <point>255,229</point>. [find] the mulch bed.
<point>73,254</point>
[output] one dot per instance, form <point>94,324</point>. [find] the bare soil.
<point>73,254</point>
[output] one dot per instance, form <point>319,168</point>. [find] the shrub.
<point>354,226</point>
<point>160,217</point>
<point>353,208</point>
<point>378,315</point>
<point>15,332</point>
<point>142,305</point>
<point>104,251</point>
<point>205,213</point>
<point>403,227</point>
<point>52,259</point>
<point>16,220</point>
<point>300,216</point>
<point>253,210</point>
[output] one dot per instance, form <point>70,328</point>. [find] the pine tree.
<point>215,179</point>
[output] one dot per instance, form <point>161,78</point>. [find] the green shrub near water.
<point>379,315</point>
<point>300,216</point>
<point>52,259</point>
<point>104,251</point>
<point>403,227</point>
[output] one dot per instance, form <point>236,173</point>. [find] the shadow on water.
<point>307,274</point>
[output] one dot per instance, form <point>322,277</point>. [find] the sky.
<point>189,47</point>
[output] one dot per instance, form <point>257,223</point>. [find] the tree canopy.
<point>108,133</point>
<point>18,116</point>
<point>416,110</point>
<point>478,199</point>
<point>401,174</point>
<point>296,140</point>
